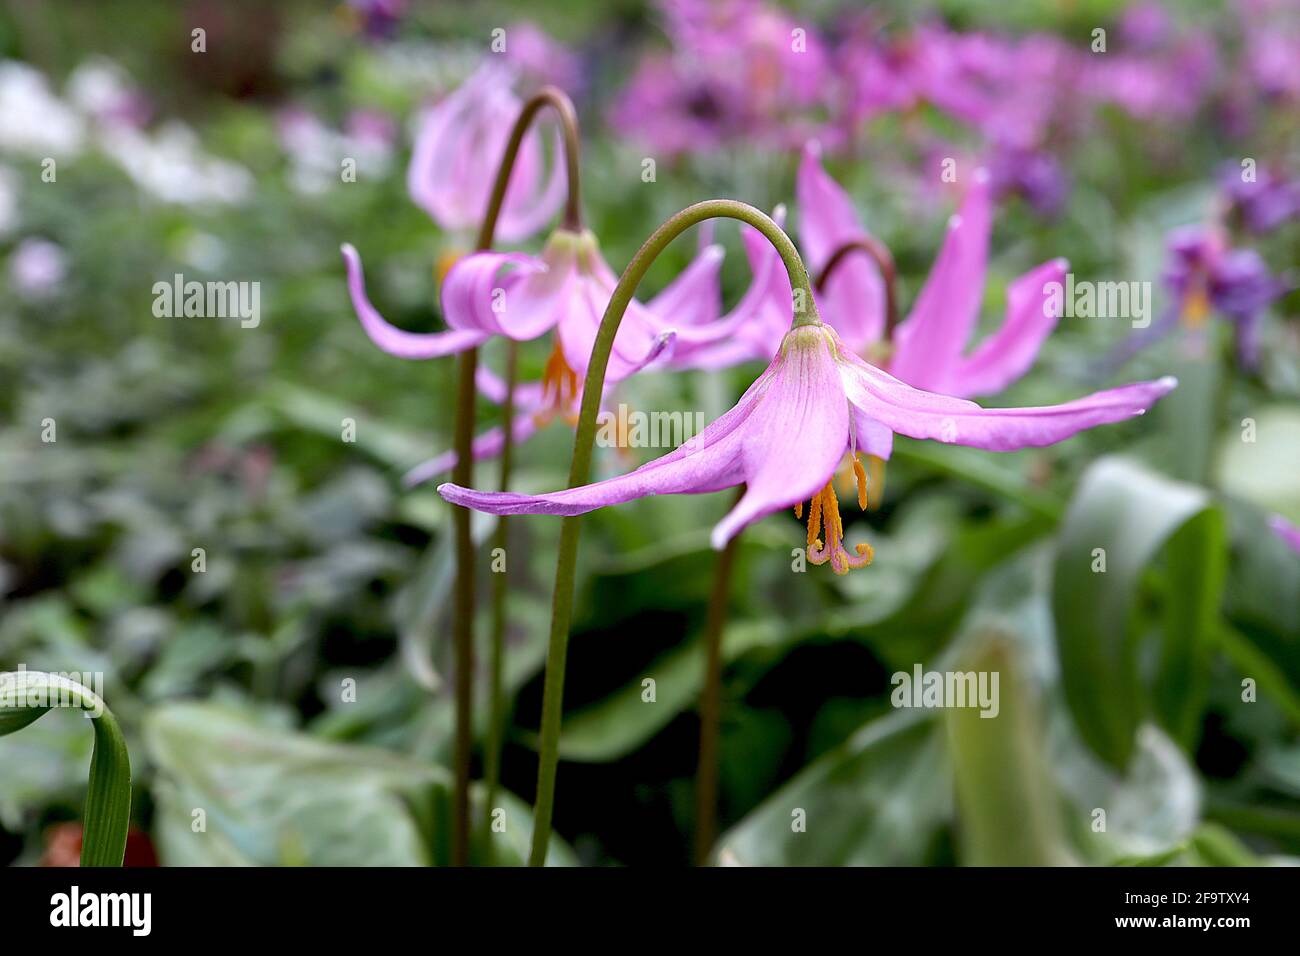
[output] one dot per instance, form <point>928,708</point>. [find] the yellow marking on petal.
<point>824,515</point>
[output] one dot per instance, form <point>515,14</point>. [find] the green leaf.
<point>1124,515</point>
<point>272,796</point>
<point>1007,808</point>
<point>623,721</point>
<point>25,696</point>
<point>881,798</point>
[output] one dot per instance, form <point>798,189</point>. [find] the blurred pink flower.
<point>459,146</point>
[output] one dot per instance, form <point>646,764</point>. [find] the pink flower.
<point>459,146</point>
<point>929,350</point>
<point>786,436</point>
<point>565,290</point>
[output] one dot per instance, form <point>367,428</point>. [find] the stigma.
<point>824,521</point>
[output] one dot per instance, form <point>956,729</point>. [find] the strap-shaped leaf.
<point>1122,517</point>
<point>24,697</point>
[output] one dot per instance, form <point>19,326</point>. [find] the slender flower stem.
<point>497,715</point>
<point>463,472</point>
<point>706,773</point>
<point>463,610</point>
<point>805,313</point>
<point>884,261</point>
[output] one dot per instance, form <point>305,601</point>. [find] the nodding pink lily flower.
<point>929,349</point>
<point>565,289</point>
<point>786,436</point>
<point>1285,530</point>
<point>457,150</point>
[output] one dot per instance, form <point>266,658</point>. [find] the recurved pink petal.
<point>1007,354</point>
<point>919,414</point>
<point>504,293</point>
<point>399,342</point>
<point>708,462</point>
<point>931,340</point>
<point>853,300</point>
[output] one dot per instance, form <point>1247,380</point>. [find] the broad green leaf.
<point>624,721</point>
<point>1258,459</point>
<point>272,796</point>
<point>882,798</point>
<point>1007,810</point>
<point>26,696</point>
<point>1121,518</point>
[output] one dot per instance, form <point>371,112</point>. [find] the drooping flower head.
<point>929,349</point>
<point>565,291</point>
<point>459,146</point>
<point>785,438</point>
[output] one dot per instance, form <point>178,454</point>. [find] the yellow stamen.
<point>798,511</point>
<point>559,388</point>
<point>861,477</point>
<point>824,514</point>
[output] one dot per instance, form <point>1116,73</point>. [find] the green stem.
<point>463,610</point>
<point>877,250</point>
<point>497,715</point>
<point>463,472</point>
<point>706,773</point>
<point>27,695</point>
<point>805,313</point>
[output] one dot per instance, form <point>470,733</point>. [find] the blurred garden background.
<point>183,508</point>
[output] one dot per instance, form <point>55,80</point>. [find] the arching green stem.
<point>888,272</point>
<point>805,313</point>
<point>24,697</point>
<point>463,472</point>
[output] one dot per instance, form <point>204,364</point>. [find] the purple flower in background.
<point>786,436</point>
<point>459,145</point>
<point>739,71</point>
<point>378,18</point>
<point>540,59</point>
<point>37,269</point>
<point>1206,275</point>
<point>1263,203</point>
<point>1034,175</point>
